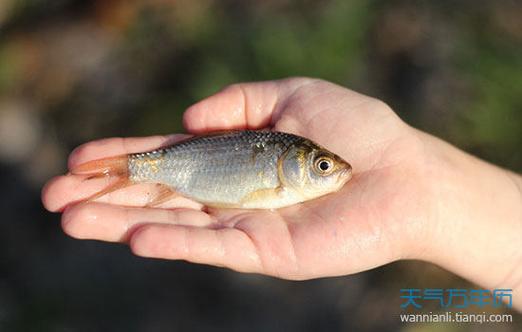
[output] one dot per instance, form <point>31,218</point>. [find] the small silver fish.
<point>238,169</point>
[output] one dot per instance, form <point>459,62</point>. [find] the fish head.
<point>312,170</point>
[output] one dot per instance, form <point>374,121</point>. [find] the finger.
<point>227,247</point>
<point>64,190</point>
<point>113,223</point>
<point>115,146</point>
<point>241,106</point>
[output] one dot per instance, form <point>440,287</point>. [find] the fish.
<point>248,169</point>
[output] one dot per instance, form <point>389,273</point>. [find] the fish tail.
<point>112,166</point>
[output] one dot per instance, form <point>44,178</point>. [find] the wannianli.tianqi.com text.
<point>456,317</point>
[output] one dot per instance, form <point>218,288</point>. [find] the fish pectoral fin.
<point>261,197</point>
<point>163,195</point>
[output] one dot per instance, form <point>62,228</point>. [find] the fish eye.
<point>323,165</point>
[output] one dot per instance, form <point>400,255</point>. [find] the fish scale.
<point>206,167</point>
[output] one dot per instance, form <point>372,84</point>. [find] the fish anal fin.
<point>164,194</point>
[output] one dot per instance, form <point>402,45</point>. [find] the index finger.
<point>241,106</point>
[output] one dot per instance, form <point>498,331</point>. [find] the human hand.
<point>393,208</point>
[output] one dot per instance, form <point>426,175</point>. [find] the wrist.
<point>477,230</point>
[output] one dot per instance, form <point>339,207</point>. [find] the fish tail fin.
<point>119,184</point>
<point>117,166</point>
<point>106,167</point>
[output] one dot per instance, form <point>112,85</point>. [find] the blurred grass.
<point>489,56</point>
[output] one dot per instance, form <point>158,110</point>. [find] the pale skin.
<point>412,196</point>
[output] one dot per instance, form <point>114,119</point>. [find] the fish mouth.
<point>346,174</point>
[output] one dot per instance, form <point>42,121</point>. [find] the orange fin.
<point>112,166</point>
<point>101,167</point>
<point>165,194</point>
<point>121,183</point>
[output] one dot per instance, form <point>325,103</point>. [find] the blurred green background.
<point>72,71</point>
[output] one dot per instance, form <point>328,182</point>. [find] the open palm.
<point>379,216</point>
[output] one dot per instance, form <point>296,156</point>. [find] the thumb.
<point>241,106</point>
